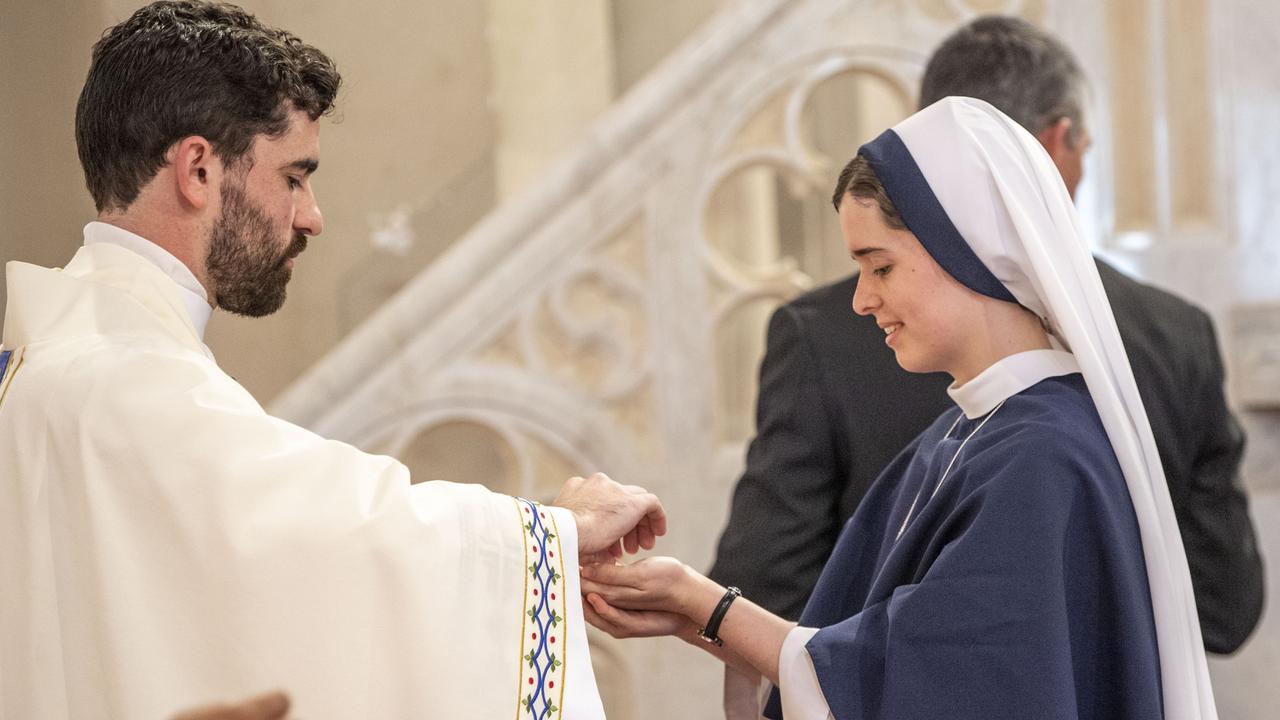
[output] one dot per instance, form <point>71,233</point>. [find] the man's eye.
<point>882,271</point>
<point>294,183</point>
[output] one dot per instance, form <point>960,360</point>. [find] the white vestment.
<point>164,542</point>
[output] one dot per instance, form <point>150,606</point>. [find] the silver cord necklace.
<point>911,510</point>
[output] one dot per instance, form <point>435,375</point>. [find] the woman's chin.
<point>913,364</point>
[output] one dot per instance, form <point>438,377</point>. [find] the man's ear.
<point>197,171</point>
<point>1056,138</point>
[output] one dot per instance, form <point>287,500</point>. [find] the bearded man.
<point>164,542</point>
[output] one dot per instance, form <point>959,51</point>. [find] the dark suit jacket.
<point>834,408</point>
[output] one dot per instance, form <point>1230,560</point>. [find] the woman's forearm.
<point>720,652</point>
<point>752,636</point>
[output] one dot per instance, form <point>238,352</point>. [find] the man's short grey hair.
<point>1022,70</point>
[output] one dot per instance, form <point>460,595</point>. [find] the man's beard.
<point>245,268</point>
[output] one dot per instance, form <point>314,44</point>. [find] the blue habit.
<point>1017,591</point>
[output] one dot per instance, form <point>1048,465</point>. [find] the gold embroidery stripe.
<point>524,538</point>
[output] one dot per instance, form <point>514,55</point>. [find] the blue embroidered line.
<point>541,659</point>
<point>4,362</point>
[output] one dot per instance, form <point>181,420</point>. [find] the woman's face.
<point>926,314</point>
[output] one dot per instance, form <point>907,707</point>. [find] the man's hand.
<point>269,706</point>
<point>611,517</point>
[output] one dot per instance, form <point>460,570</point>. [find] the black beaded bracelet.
<point>710,632</point>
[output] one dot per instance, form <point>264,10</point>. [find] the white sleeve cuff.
<point>802,697</point>
<point>582,698</point>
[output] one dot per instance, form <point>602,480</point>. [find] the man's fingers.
<point>655,516</point>
<point>645,537</point>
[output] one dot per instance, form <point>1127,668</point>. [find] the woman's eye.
<point>882,271</point>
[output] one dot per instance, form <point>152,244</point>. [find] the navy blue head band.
<point>924,216</point>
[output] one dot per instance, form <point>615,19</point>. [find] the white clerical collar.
<point>193,293</point>
<point>1008,377</point>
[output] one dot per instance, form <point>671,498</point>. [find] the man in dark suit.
<point>834,407</point>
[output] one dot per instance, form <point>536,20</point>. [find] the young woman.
<point>1020,558</point>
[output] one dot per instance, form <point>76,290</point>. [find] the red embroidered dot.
<point>535,549</point>
<point>530,681</point>
<point>535,592</point>
<point>551,684</point>
<point>551,553</point>
<point>553,640</point>
<point>542,515</point>
<point>535,636</point>
<point>526,509</point>
<point>553,596</point>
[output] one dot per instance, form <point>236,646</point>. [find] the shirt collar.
<point>193,293</point>
<point>1008,377</point>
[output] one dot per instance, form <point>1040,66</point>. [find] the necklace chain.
<point>945,473</point>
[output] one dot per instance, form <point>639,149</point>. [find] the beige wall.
<point>419,130</point>
<point>43,203</point>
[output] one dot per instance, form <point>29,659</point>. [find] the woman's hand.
<point>634,623</point>
<point>663,596</point>
<point>657,583</point>
<point>660,584</point>
<point>637,600</point>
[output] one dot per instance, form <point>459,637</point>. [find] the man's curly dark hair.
<point>178,68</point>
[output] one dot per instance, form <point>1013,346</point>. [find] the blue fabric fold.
<point>1017,589</point>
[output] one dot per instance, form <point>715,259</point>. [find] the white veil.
<point>1004,196</point>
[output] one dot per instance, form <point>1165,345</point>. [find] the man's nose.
<point>309,219</point>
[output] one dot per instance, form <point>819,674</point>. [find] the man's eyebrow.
<point>862,252</point>
<point>305,165</point>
